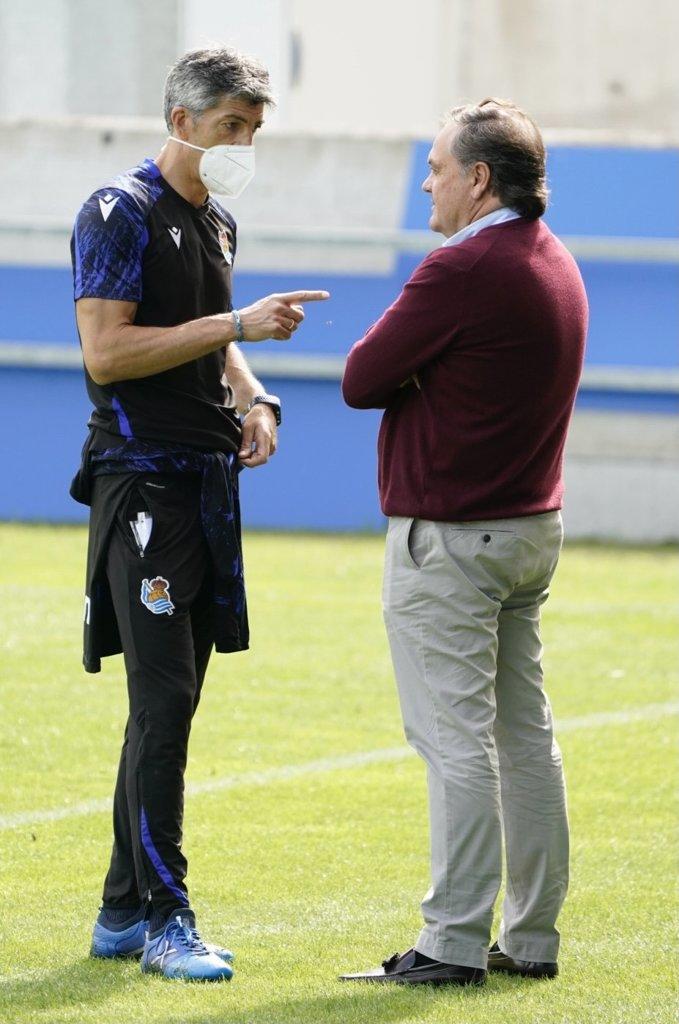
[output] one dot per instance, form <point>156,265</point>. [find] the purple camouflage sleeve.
<point>107,247</point>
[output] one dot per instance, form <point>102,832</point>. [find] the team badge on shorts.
<point>225,246</point>
<point>155,594</point>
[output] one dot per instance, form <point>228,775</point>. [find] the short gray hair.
<point>201,78</point>
<point>498,133</point>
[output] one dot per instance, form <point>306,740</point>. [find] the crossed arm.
<point>409,335</point>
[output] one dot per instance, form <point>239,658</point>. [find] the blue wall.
<point>324,474</point>
<point>322,478</point>
<point>618,193</point>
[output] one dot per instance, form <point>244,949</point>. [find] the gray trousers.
<point>462,611</point>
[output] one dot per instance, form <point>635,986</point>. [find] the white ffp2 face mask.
<point>226,170</point>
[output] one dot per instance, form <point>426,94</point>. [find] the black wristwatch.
<point>273,401</point>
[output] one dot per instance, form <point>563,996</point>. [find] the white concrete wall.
<point>34,55</point>
<point>622,477</point>
<point>391,65</point>
<point>60,57</point>
<point>301,179</point>
<point>261,27</point>
<point>580,63</point>
<point>365,66</point>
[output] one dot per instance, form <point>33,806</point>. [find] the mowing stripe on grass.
<point>327,764</point>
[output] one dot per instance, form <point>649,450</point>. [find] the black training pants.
<point>162,590</point>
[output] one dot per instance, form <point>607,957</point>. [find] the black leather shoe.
<point>499,961</point>
<point>413,968</point>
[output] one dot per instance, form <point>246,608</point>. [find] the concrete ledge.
<point>594,436</point>
<point>631,499</point>
<point>155,125</point>
<point>635,379</point>
<point>591,248</point>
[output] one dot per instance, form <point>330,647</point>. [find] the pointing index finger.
<point>291,297</point>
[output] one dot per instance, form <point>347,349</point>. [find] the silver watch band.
<point>272,401</point>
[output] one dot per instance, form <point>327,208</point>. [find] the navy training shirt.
<point>137,240</point>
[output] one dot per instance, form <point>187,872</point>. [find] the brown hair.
<point>498,133</point>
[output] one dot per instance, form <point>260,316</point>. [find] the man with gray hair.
<point>477,365</point>
<point>152,256</point>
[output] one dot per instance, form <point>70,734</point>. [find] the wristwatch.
<point>273,401</point>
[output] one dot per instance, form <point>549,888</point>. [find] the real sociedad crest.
<point>155,594</point>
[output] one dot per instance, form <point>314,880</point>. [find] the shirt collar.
<point>500,216</point>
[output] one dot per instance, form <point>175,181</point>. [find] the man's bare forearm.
<point>125,351</point>
<point>243,382</point>
<point>115,348</point>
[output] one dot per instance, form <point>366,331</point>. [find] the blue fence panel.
<point>606,192</point>
<point>322,477</point>
<point>45,412</point>
<point>610,191</point>
<point>603,191</point>
<point>37,304</point>
<point>324,474</point>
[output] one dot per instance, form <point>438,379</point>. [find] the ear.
<point>181,121</point>
<point>480,180</point>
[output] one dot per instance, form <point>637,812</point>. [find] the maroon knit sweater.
<point>477,364</point>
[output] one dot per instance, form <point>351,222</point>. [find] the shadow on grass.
<point>362,1004</point>
<point>86,983</point>
<point>83,982</point>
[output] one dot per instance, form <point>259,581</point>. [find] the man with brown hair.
<point>477,365</point>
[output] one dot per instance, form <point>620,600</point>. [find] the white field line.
<point>326,764</point>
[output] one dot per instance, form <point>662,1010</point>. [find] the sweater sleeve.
<point>412,332</point>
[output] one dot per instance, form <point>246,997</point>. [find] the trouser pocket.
<point>135,522</point>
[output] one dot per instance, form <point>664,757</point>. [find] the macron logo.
<point>176,235</point>
<point>106,204</point>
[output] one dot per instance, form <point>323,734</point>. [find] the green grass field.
<point>307,864</point>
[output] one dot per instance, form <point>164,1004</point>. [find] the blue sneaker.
<point>112,940</point>
<point>222,953</point>
<point>179,952</point>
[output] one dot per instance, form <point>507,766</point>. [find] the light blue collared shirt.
<point>500,216</point>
